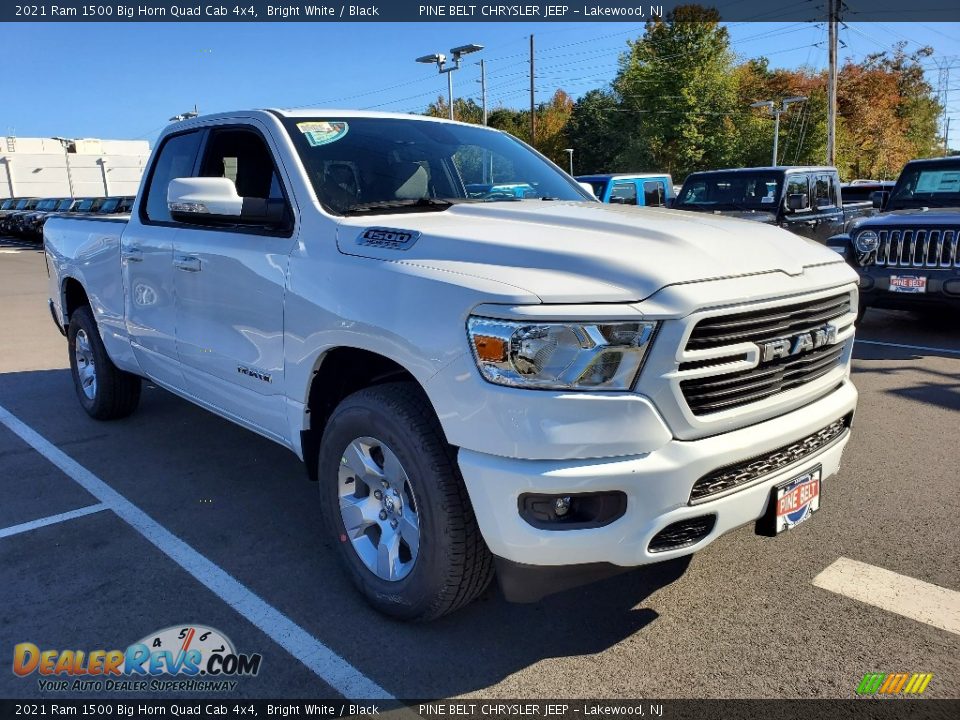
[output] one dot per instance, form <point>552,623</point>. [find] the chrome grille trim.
<point>721,369</point>
<point>917,248</point>
<point>735,477</point>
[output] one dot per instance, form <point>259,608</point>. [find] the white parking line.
<point>924,348</point>
<point>914,599</point>
<point>326,664</point>
<point>51,520</point>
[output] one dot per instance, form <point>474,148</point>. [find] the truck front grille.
<point>743,473</point>
<point>918,248</point>
<point>727,390</point>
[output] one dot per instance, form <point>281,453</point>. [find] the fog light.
<point>572,512</point>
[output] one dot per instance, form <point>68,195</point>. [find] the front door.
<point>230,282</point>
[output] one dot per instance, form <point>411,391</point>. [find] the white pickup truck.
<point>544,387</point>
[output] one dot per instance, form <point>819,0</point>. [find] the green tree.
<point>594,132</point>
<point>678,93</point>
<point>463,110</point>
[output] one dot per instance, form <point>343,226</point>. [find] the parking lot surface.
<point>205,523</point>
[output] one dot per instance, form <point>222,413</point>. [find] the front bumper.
<point>943,288</point>
<point>657,485</point>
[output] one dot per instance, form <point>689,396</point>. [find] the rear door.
<point>146,250</point>
<point>230,282</point>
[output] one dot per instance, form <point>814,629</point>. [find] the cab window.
<point>624,194</point>
<point>176,160</point>
<point>653,193</point>
<point>798,185</point>
<point>243,157</point>
<point>824,190</point>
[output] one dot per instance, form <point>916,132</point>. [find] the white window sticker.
<point>323,132</point>
<point>766,199</point>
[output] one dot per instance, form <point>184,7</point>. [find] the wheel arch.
<point>72,296</point>
<point>337,373</point>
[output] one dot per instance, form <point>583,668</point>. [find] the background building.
<point>61,167</point>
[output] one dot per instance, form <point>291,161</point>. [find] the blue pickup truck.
<point>645,189</point>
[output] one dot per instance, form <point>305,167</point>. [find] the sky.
<point>123,81</point>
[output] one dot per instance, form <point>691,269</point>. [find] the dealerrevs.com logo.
<point>178,658</point>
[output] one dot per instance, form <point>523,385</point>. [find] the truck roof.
<point>612,176</point>
<point>306,113</point>
<point>949,160</point>
<point>770,168</point>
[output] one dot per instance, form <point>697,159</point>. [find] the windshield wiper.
<point>409,205</point>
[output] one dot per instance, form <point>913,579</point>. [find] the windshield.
<point>47,204</point>
<point>370,165</point>
<point>65,204</point>
<point>84,205</point>
<point>7,204</point>
<point>919,186</point>
<point>109,206</point>
<point>732,191</point>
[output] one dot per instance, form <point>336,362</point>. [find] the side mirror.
<point>588,188</point>
<point>879,198</point>
<point>214,201</point>
<point>797,201</point>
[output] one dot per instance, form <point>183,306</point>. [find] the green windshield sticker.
<point>323,132</point>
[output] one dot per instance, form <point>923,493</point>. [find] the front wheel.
<point>396,506</point>
<point>104,391</point>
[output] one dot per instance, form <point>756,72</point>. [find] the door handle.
<point>132,254</point>
<point>187,263</point>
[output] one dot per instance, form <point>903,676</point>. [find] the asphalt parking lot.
<point>206,523</point>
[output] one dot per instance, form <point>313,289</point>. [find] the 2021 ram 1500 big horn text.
<point>546,385</point>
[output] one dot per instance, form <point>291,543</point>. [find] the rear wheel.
<point>396,506</point>
<point>104,391</point>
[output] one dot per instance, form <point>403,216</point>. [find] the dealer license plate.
<point>796,500</point>
<point>908,283</point>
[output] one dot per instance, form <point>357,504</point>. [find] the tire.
<point>390,434</point>
<point>104,391</point>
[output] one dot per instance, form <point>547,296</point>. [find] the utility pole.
<point>833,21</point>
<point>777,112</point>
<point>569,151</point>
<point>483,90</point>
<point>945,65</point>
<point>533,108</point>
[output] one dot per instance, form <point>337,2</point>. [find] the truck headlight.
<point>866,242</point>
<point>560,356</point>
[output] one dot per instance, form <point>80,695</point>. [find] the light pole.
<point>456,54</point>
<point>777,112</point>
<point>65,143</point>
<point>569,151</point>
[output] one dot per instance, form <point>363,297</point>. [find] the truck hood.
<point>760,216</point>
<point>581,251</point>
<point>913,216</point>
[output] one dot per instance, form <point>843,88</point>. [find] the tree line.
<point>680,102</point>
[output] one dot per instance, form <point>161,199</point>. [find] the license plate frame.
<point>792,502</point>
<point>910,284</point>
